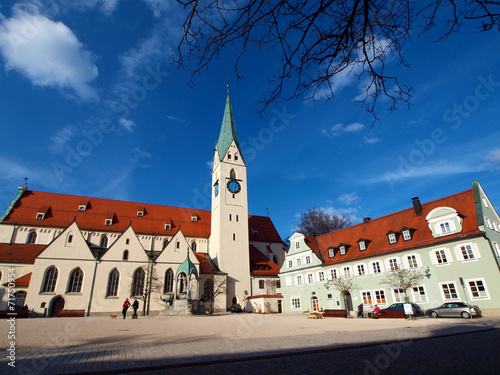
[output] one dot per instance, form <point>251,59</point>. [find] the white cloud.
<point>127,124</point>
<point>348,199</point>
<point>338,129</point>
<point>372,140</point>
<point>47,53</point>
<point>493,159</point>
<point>59,140</point>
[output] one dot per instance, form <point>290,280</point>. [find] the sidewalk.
<point>101,344</point>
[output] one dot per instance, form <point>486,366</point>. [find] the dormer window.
<point>140,212</point>
<point>109,219</point>
<point>82,207</point>
<point>42,212</point>
<point>168,226</point>
<point>331,253</point>
<point>194,218</point>
<point>362,246</point>
<point>444,221</point>
<point>392,238</point>
<point>406,235</point>
<point>255,233</point>
<point>342,250</point>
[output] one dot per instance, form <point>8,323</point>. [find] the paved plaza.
<point>251,344</point>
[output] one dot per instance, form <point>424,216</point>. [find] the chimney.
<point>366,220</point>
<point>417,206</point>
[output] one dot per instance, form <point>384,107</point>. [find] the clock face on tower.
<point>233,186</point>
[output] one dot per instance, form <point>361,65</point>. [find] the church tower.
<point>229,242</point>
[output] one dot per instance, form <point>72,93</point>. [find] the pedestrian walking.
<point>135,306</point>
<point>126,305</point>
<point>360,310</point>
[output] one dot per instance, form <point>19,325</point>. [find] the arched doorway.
<point>348,301</point>
<point>57,305</point>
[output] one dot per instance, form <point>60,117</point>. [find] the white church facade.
<point>83,255</point>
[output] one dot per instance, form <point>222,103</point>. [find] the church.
<point>66,255</point>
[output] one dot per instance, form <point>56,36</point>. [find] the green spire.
<point>228,131</point>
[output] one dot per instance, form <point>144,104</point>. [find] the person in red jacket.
<point>126,305</point>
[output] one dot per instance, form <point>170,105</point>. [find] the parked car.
<point>397,310</point>
<point>454,310</point>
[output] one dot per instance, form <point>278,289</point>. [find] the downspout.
<point>12,236</point>
<point>92,287</point>
<point>150,267</point>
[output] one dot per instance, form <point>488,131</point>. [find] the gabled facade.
<point>90,254</point>
<point>451,239</point>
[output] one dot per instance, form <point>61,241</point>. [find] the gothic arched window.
<point>104,242</point>
<point>31,238</point>
<point>113,280</point>
<point>75,281</point>
<point>50,279</point>
<point>169,281</point>
<point>138,282</point>
<point>232,174</point>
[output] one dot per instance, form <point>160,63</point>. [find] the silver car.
<point>454,310</point>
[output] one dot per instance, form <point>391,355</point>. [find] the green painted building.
<point>450,240</point>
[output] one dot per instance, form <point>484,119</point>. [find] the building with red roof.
<point>453,242</point>
<point>89,253</point>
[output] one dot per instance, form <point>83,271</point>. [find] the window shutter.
<point>475,248</point>
<point>432,254</point>
<point>405,262</point>
<point>458,253</point>
<point>288,281</point>
<point>453,226</point>
<point>449,258</point>
<point>419,261</point>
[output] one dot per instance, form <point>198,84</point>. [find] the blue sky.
<point>91,105</point>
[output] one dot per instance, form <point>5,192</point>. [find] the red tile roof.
<point>64,209</point>
<point>22,281</point>
<point>376,230</point>
<point>206,264</point>
<point>19,253</point>
<point>259,259</point>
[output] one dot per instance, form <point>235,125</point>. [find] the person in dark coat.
<point>135,306</point>
<point>126,305</point>
<point>360,310</point>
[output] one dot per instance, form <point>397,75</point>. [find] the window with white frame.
<point>419,294</point>
<point>361,269</point>
<point>362,245</point>
<point>288,281</point>
<point>310,278</point>
<point>321,276</point>
<point>488,222</point>
<point>367,297</point>
<point>392,238</point>
<point>467,253</point>
<point>329,296</point>
<point>412,261</point>
<point>347,271</point>
<point>445,227</point>
<point>497,248</point>
<point>342,250</point>
<point>333,274</point>
<point>406,235</point>
<point>297,244</point>
<point>449,291</point>
<point>380,297</point>
<point>299,262</point>
<point>376,268</point>
<point>308,259</point>
<point>441,257</point>
<point>290,263</point>
<point>399,295</point>
<point>393,264</point>
<point>477,289</point>
<point>295,303</point>
<point>298,280</point>
<point>330,253</point>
